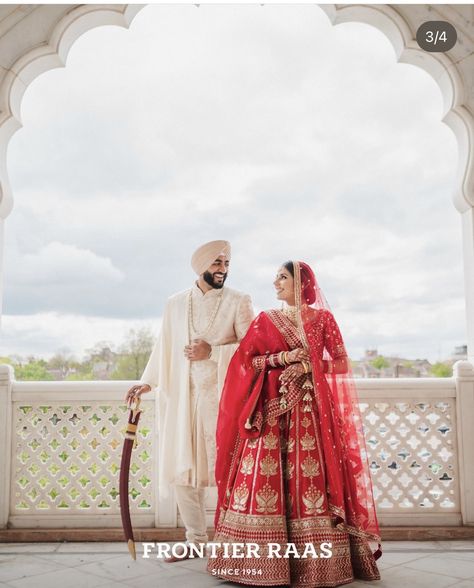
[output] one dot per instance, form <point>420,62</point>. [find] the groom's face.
<point>216,274</point>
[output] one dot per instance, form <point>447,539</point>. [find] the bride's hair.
<point>288,265</point>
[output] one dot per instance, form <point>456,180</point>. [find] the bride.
<point>291,465</point>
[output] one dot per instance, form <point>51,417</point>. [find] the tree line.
<point>104,361</point>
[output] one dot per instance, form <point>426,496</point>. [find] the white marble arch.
<point>37,38</point>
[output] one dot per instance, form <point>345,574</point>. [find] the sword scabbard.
<point>130,442</point>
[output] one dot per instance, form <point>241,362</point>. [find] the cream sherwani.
<point>188,392</point>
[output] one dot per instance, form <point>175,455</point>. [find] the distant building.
<point>102,370</point>
<point>103,362</point>
<point>395,367</point>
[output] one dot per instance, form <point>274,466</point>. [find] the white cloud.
<point>61,262</point>
<point>43,334</point>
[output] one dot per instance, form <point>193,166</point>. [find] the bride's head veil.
<point>355,511</point>
<point>308,295</point>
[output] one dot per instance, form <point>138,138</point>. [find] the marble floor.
<point>404,564</point>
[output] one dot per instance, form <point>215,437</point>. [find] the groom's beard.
<point>209,279</point>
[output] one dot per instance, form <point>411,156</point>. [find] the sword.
<point>129,442</point>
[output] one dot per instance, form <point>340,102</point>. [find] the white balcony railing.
<point>60,447</point>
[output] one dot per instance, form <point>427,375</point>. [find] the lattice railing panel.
<point>412,454</point>
<point>66,458</point>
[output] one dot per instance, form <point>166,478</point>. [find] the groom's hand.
<point>198,350</point>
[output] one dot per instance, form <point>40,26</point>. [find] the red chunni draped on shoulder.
<point>242,397</point>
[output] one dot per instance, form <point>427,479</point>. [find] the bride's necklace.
<point>290,312</point>
<point>192,327</point>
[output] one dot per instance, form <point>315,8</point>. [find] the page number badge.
<point>436,36</point>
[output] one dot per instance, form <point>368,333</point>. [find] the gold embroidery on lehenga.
<point>306,525</point>
<point>310,467</point>
<point>237,521</point>
<point>290,446</point>
<point>270,441</point>
<point>247,464</point>
<point>268,466</point>
<point>252,443</point>
<point>313,500</point>
<point>266,499</point>
<point>305,422</point>
<point>308,442</point>
<point>241,495</point>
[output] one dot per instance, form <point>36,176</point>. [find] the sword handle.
<point>131,431</point>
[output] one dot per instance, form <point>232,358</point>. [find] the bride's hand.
<point>297,355</point>
<point>291,373</point>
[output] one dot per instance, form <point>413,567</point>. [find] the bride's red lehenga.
<point>291,462</point>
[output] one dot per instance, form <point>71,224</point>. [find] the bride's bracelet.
<point>273,360</point>
<point>277,359</point>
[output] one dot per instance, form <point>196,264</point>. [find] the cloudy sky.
<point>263,125</point>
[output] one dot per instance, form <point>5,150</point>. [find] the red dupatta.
<point>242,397</point>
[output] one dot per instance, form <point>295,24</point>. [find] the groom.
<point>200,331</point>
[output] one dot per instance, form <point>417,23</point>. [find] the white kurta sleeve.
<point>222,354</point>
<point>151,374</point>
<point>243,317</point>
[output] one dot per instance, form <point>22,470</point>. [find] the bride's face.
<point>284,286</point>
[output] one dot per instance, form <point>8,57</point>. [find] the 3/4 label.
<point>436,36</point>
